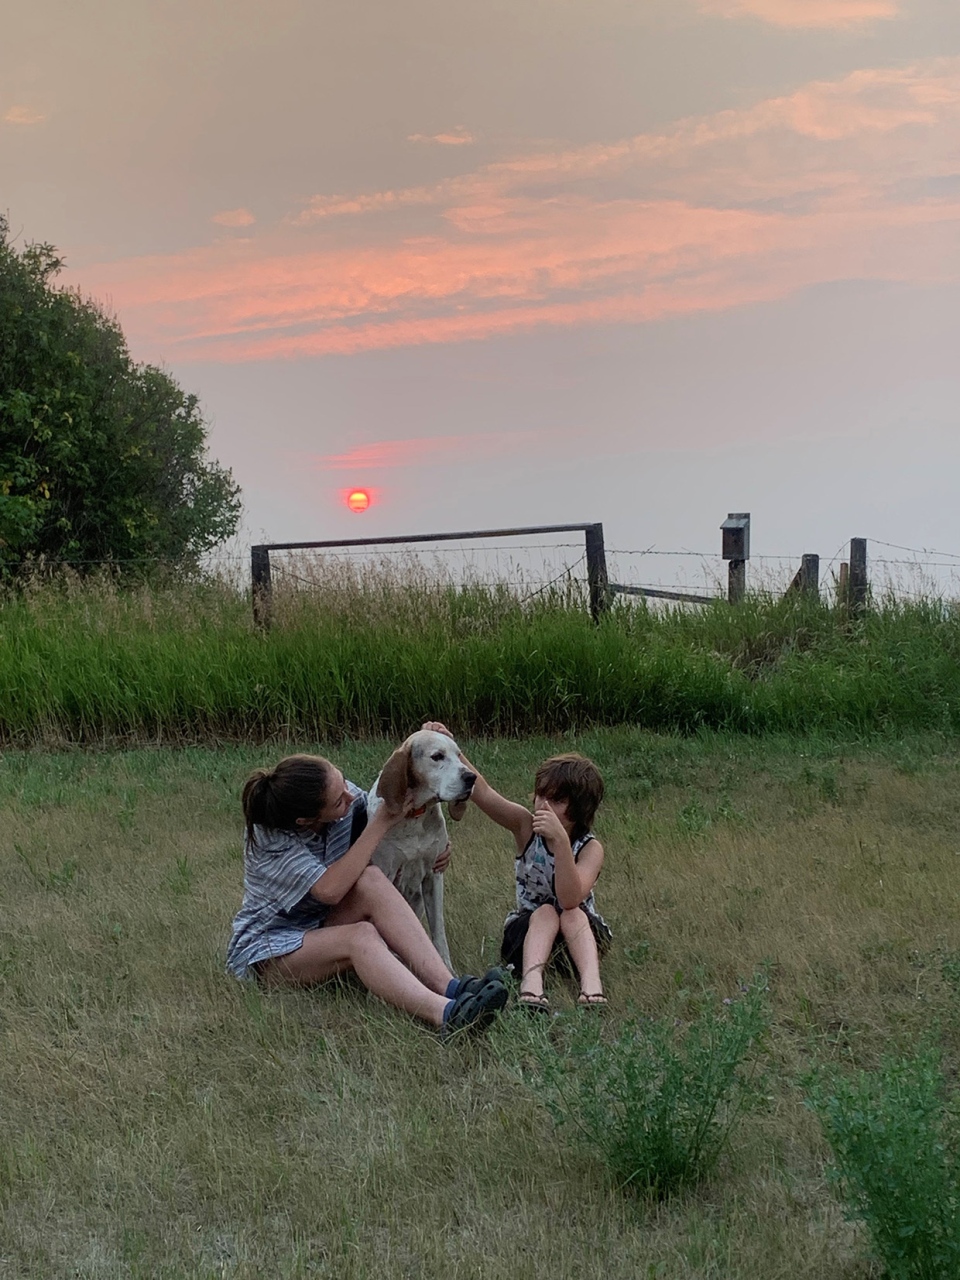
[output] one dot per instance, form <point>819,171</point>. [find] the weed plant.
<point>656,1102</point>
<point>362,654</point>
<point>896,1148</point>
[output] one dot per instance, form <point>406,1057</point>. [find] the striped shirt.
<point>279,870</point>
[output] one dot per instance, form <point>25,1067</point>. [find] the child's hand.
<point>546,824</point>
<point>437,727</point>
<point>442,862</point>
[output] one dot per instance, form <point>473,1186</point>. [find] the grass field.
<point>158,1119</point>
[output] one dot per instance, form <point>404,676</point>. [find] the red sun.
<point>358,500</point>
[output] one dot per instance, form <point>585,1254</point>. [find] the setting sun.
<point>358,500</point>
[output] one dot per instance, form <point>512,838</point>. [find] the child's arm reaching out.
<point>514,817</point>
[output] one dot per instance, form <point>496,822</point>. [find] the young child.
<point>313,906</point>
<point>558,862</point>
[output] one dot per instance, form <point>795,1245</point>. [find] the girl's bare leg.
<point>358,946</point>
<point>541,934</point>
<point>375,899</point>
<point>582,945</point>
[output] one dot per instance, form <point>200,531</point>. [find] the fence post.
<point>596,570</point>
<point>810,576</point>
<point>736,551</point>
<point>262,589</point>
<point>858,574</point>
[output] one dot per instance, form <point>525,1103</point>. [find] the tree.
<point>101,459</point>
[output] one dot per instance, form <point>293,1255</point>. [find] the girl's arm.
<point>340,877</point>
<point>572,880</point>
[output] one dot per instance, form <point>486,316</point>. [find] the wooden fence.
<point>735,549</point>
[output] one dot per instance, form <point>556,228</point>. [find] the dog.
<point>427,764</point>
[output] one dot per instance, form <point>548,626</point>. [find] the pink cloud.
<point>840,180</point>
<point>380,454</point>
<point>234,218</point>
<point>804,13</point>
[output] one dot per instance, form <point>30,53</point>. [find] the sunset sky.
<point>523,261</point>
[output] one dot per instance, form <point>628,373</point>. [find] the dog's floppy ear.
<point>396,779</point>
<point>456,809</point>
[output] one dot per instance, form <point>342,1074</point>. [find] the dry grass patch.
<point>160,1120</point>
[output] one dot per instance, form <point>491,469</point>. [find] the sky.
<point>524,262</point>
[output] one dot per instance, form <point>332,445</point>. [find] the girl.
<point>313,907</point>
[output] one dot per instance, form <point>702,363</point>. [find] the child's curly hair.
<point>577,780</point>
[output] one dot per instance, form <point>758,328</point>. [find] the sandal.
<point>592,1000</point>
<point>535,1003</point>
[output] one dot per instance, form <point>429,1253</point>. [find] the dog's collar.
<point>418,813</point>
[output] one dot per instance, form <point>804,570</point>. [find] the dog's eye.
<point>437,755</point>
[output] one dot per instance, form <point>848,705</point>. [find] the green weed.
<point>656,1100</point>
<point>895,1145</point>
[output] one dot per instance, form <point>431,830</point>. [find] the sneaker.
<point>469,983</point>
<point>476,1008</point>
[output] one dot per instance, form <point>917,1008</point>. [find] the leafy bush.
<point>101,459</point>
<point>657,1101</point>
<point>897,1161</point>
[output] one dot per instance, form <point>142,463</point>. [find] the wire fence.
<point>527,567</point>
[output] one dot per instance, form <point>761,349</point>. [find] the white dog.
<point>427,764</point>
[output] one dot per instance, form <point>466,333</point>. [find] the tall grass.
<point>361,654</point>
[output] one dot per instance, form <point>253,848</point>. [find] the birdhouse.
<point>736,536</point>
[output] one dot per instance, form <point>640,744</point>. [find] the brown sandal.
<point>592,1000</point>
<point>536,1004</point>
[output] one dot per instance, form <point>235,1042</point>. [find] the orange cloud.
<point>457,138</point>
<point>23,115</point>
<point>234,218</point>
<point>841,180</point>
<point>804,13</point>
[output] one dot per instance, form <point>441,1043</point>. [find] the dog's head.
<point>428,764</point>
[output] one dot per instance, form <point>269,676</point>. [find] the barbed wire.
<point>925,551</point>
<point>921,564</point>
<point>942,560</point>
<point>558,578</point>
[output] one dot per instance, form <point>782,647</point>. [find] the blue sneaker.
<point>475,1008</point>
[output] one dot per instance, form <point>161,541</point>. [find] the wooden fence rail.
<point>593,549</point>
<point>853,585</point>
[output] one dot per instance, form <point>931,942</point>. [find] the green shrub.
<point>655,1099</point>
<point>897,1161</point>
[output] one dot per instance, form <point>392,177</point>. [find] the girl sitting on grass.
<point>558,862</point>
<point>314,907</point>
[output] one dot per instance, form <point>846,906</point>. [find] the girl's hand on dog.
<point>389,815</point>
<point>443,861</point>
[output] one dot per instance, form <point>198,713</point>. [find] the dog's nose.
<point>468,778</point>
